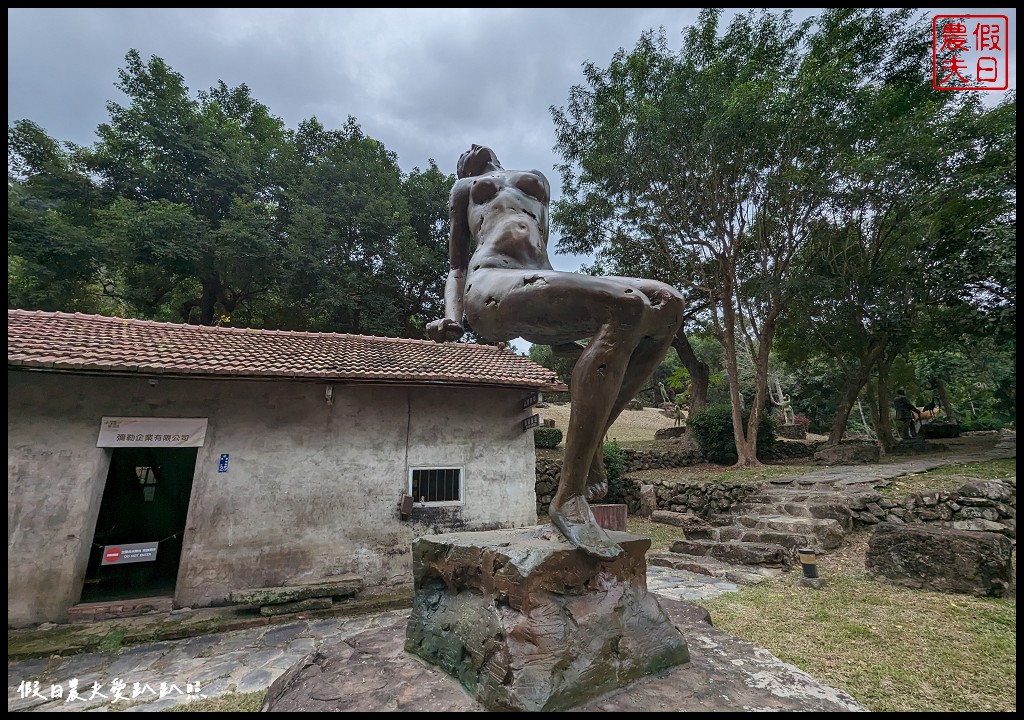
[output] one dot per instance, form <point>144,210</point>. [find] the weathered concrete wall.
<point>55,477</point>
<point>312,489</point>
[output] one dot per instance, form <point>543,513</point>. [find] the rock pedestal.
<point>793,431</point>
<point>525,622</point>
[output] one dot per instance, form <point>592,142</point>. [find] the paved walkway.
<point>158,675</point>
<point>155,676</point>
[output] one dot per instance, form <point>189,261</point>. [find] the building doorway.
<point>145,504</point>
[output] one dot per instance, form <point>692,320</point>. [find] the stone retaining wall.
<point>700,498</point>
<point>989,505</point>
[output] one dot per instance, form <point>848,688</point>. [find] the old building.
<point>149,458</point>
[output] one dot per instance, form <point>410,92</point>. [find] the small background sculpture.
<point>787,410</point>
<point>501,281</point>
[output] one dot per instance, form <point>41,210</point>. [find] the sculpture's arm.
<point>459,239</point>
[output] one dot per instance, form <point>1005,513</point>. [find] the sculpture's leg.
<point>597,378</point>
<point>597,478</point>
<point>630,323</point>
<point>614,367</point>
<point>644,361</point>
<point>665,318</point>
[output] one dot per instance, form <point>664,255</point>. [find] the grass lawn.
<point>892,648</point>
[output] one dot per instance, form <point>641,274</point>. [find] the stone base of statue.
<point>371,671</point>
<point>793,431</point>
<point>525,622</point>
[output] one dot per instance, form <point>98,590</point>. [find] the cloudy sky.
<point>425,82</point>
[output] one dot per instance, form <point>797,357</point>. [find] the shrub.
<point>546,437</point>
<point>712,429</point>
<point>797,420</point>
<point>614,469</point>
<point>984,423</point>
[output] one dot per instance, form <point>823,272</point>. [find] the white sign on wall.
<point>152,432</point>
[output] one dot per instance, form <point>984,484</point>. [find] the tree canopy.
<point>798,180</point>
<point>207,209</point>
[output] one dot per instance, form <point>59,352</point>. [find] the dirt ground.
<point>631,425</point>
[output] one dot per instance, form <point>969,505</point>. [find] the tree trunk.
<point>746,447</point>
<point>208,302</point>
<point>880,408</point>
<point>846,400</point>
<point>855,383</point>
<point>699,371</point>
<point>762,394</point>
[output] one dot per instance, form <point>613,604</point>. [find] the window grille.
<point>436,485</point>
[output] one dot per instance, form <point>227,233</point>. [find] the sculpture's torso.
<point>508,220</point>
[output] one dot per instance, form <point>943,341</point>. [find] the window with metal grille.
<point>436,485</point>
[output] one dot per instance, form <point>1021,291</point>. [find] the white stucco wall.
<point>312,489</point>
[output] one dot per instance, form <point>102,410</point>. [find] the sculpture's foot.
<point>577,524</point>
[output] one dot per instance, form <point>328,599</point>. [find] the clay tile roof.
<point>93,343</point>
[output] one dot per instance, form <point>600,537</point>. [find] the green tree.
<point>967,332</point>
<point>206,209</point>
<point>874,275</point>
<point>422,255</point>
<point>974,256</point>
<point>52,257</point>
<point>796,180</point>
<point>707,165</point>
<point>190,231</point>
<point>349,235</point>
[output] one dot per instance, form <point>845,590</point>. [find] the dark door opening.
<point>145,500</point>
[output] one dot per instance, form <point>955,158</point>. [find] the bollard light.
<point>809,562</point>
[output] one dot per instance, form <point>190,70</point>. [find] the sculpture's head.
<point>476,161</point>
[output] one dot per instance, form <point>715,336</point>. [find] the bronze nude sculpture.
<point>502,282</point>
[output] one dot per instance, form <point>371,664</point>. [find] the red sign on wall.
<point>970,52</point>
<point>129,553</point>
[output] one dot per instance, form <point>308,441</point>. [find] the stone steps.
<point>737,552</point>
<point>763,535</point>
<point>736,533</point>
<point>827,532</point>
<point>824,534</point>
<point>833,509</point>
<point>706,565</point>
